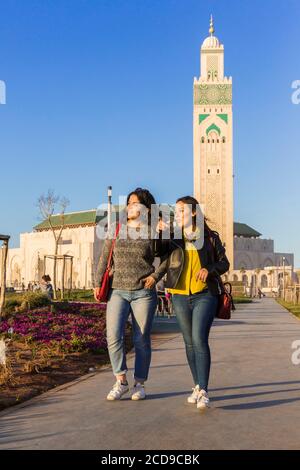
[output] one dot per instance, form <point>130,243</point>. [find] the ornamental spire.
<point>211,26</point>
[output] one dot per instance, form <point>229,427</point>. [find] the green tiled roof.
<point>73,218</point>
<point>243,230</point>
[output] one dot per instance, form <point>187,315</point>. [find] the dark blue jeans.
<point>195,314</point>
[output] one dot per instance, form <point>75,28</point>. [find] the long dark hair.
<point>194,203</point>
<point>146,198</point>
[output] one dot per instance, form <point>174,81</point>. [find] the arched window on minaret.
<point>213,136</point>
<point>212,68</point>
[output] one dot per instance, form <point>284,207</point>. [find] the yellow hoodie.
<point>187,283</point>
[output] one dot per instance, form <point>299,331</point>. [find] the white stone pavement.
<point>254,390</point>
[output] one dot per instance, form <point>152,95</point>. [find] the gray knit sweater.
<point>132,260</point>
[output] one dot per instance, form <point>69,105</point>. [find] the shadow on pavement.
<point>259,404</point>
<point>156,396</point>
<point>265,384</point>
<point>245,395</point>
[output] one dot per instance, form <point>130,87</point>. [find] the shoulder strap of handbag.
<point>226,286</point>
<point>112,246</point>
<point>210,238</point>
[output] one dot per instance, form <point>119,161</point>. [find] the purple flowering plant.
<point>79,327</point>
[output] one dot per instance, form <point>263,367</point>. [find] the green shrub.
<point>31,300</point>
<point>25,301</point>
<point>12,304</point>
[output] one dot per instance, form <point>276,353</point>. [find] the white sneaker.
<point>138,392</point>
<point>203,400</point>
<point>194,397</point>
<point>117,391</point>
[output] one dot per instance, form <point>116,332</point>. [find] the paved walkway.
<point>254,389</point>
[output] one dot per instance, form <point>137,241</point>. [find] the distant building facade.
<point>27,263</point>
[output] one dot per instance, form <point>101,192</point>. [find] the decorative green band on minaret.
<point>213,127</point>
<point>210,94</point>
<point>202,117</point>
<point>224,117</point>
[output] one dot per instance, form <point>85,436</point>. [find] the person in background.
<point>46,286</point>
<point>35,287</point>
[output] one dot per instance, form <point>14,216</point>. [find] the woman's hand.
<point>202,275</point>
<point>149,282</point>
<point>96,292</point>
<point>161,226</point>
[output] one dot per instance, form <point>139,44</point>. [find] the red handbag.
<point>102,294</point>
<point>225,304</point>
<point>225,301</point>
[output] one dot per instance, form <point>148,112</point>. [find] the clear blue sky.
<point>99,92</point>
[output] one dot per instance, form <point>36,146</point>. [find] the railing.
<point>291,294</point>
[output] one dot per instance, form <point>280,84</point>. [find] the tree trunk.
<point>71,275</point>
<point>54,271</point>
<point>63,279</point>
<point>3,276</point>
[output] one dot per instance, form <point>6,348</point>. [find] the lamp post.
<point>109,194</point>
<point>283,264</point>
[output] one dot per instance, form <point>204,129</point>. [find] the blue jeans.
<point>195,314</point>
<point>142,305</point>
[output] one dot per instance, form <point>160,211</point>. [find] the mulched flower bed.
<point>50,346</point>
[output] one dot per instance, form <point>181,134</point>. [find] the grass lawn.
<point>242,300</point>
<point>295,309</point>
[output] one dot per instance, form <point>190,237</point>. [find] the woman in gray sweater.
<point>133,290</point>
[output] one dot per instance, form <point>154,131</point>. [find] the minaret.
<point>212,125</point>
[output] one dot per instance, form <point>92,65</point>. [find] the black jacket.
<point>212,257</point>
